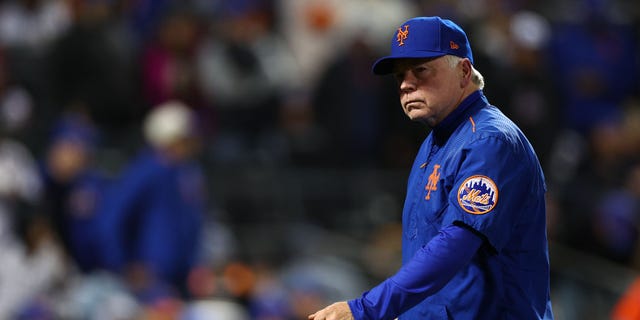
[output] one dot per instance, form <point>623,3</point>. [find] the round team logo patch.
<point>478,195</point>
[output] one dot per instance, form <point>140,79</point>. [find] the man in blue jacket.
<point>474,232</point>
<point>152,218</point>
<point>74,188</point>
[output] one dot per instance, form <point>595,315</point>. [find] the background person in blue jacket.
<point>153,215</point>
<point>73,189</point>
<point>474,233</point>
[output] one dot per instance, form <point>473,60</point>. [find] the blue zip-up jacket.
<point>154,216</point>
<point>475,171</point>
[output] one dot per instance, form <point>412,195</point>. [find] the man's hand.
<point>336,311</point>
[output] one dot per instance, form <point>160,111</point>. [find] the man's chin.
<point>415,115</point>
<point>429,122</point>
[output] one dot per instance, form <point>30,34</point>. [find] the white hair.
<point>476,77</point>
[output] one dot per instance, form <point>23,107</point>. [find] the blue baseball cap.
<point>75,128</point>
<point>425,37</point>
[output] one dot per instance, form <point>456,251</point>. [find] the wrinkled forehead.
<point>404,64</point>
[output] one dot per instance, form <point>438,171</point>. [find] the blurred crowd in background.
<point>218,159</point>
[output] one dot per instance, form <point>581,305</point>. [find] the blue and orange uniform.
<point>474,227</point>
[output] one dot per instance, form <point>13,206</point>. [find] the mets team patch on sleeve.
<point>478,195</point>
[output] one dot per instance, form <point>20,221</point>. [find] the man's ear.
<point>467,71</point>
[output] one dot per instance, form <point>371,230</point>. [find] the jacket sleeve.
<point>427,272</point>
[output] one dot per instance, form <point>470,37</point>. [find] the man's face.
<point>429,88</point>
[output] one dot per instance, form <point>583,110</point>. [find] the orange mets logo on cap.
<point>402,34</point>
<point>478,195</point>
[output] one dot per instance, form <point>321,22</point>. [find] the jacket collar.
<point>467,107</point>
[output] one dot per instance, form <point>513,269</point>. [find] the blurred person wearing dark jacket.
<point>351,107</point>
<point>154,213</point>
<point>595,66</point>
<point>74,188</point>
<point>92,64</point>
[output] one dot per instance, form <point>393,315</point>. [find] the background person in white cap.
<point>154,214</point>
<point>474,220</point>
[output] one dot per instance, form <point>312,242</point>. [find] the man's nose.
<point>408,83</point>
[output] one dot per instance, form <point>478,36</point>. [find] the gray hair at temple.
<point>476,77</point>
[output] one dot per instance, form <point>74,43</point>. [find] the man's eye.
<point>419,69</point>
